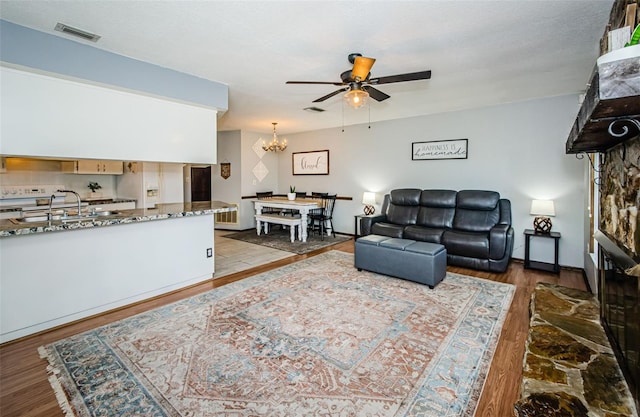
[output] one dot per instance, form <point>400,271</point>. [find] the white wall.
<point>516,149</point>
<point>236,147</point>
<point>251,184</point>
<point>228,190</point>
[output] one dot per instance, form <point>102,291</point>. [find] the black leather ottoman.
<point>421,262</point>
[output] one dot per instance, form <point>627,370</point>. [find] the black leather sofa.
<point>473,225</point>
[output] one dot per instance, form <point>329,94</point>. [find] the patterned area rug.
<point>280,239</point>
<point>314,338</point>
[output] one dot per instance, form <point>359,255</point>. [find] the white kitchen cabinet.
<point>90,166</point>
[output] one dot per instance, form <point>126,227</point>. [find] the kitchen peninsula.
<point>59,273</point>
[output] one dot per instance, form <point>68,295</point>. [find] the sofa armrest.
<point>498,240</point>
<point>367,222</point>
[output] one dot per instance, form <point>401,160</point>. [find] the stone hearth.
<point>569,367</point>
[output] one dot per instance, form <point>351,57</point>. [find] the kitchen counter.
<point>9,228</point>
<point>49,279</point>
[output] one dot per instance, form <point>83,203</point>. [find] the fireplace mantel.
<point>610,112</point>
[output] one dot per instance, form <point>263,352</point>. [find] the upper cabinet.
<point>46,116</point>
<point>93,167</point>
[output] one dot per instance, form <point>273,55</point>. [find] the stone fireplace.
<point>620,196</point>
<point>619,257</point>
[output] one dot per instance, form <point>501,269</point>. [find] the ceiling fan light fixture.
<point>356,98</point>
<point>361,67</point>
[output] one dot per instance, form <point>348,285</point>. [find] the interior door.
<point>201,183</point>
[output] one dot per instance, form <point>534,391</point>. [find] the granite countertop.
<point>9,228</point>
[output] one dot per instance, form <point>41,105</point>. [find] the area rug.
<point>280,239</point>
<point>313,338</point>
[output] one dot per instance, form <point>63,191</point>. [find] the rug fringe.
<point>58,390</point>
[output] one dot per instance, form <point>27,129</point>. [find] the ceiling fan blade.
<point>315,82</point>
<point>412,76</point>
<point>375,94</point>
<point>323,98</point>
<point>361,68</point>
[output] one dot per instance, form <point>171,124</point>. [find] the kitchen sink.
<point>103,213</point>
<point>33,219</point>
<point>83,217</point>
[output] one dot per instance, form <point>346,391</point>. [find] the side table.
<point>543,266</point>
<point>356,230</point>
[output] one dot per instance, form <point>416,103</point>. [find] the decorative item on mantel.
<point>274,145</point>
<point>94,187</point>
<point>291,195</point>
<point>541,209</point>
<point>369,199</point>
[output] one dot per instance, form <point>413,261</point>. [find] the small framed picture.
<point>439,149</point>
<point>310,163</point>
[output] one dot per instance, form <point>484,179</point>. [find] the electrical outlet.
<point>209,252</point>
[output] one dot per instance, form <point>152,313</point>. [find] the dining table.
<point>302,205</point>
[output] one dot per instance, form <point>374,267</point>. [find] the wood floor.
<point>25,390</point>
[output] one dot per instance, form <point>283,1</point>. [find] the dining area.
<point>301,212</point>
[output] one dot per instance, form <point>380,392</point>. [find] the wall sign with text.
<point>439,149</point>
<point>310,163</point>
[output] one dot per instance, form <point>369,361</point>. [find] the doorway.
<point>201,183</point>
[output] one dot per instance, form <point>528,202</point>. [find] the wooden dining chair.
<point>323,215</point>
<point>264,196</point>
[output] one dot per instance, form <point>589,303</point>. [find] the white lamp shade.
<point>542,208</point>
<point>356,98</point>
<point>369,198</point>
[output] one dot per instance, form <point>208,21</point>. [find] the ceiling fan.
<point>357,82</point>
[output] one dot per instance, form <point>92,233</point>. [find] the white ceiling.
<point>480,52</point>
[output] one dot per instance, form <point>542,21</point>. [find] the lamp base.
<point>542,224</point>
<point>369,210</point>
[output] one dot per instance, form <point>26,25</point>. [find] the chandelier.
<point>274,145</point>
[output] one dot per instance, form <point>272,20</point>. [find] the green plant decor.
<point>635,37</point>
<point>292,189</point>
<point>94,186</point>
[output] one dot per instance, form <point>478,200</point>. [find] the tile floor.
<point>233,256</point>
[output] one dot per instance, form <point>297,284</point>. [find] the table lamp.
<point>542,209</point>
<point>369,199</point>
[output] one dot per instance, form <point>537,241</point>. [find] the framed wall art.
<point>225,170</point>
<point>439,149</point>
<point>310,163</point>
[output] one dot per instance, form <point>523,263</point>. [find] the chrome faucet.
<point>50,217</point>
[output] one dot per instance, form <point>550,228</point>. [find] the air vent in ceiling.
<point>313,109</point>
<point>61,27</point>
